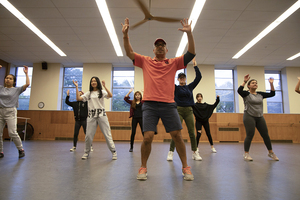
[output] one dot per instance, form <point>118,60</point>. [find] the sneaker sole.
<point>197,160</point>
<point>84,158</point>
<point>142,178</point>
<point>187,179</point>
<point>114,158</point>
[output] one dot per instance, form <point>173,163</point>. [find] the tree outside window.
<point>70,74</point>
<point>224,88</point>
<point>123,80</point>
<point>274,104</point>
<point>21,80</point>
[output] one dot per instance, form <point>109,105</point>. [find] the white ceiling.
<point>77,28</point>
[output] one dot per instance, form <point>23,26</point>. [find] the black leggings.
<point>205,124</point>
<point>250,124</point>
<point>78,124</point>
<point>134,123</point>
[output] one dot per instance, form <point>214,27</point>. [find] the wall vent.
<point>229,129</point>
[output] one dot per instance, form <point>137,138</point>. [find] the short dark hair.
<point>181,74</point>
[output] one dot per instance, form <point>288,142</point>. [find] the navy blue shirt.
<point>183,95</point>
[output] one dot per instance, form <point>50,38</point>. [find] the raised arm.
<point>25,69</point>
<point>241,88</point>
<point>78,97</point>
<point>186,27</point>
<point>109,94</point>
<point>271,81</point>
<point>127,45</point>
<point>297,89</point>
<point>129,92</point>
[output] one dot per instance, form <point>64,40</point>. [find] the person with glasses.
<point>159,73</point>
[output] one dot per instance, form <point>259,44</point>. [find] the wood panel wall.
<point>51,125</point>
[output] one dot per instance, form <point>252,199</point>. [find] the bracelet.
<point>245,81</point>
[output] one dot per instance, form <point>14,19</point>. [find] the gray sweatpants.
<point>250,124</point>
<point>9,116</point>
<point>91,128</point>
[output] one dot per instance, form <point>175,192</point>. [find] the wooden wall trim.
<point>49,125</point>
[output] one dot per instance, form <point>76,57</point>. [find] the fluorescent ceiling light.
<point>198,6</point>
<point>267,30</point>
<point>31,26</point>
<point>294,56</point>
<point>109,26</point>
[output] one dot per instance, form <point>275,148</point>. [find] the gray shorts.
<point>153,110</point>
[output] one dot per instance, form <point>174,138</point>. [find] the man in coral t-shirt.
<point>159,73</point>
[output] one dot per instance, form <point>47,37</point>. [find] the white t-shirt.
<point>95,105</point>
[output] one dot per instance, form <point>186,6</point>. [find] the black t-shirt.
<point>138,111</point>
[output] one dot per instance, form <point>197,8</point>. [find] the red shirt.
<point>159,77</point>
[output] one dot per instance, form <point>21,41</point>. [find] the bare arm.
<point>186,27</point>
<point>78,97</point>
<point>127,45</point>
<point>271,80</point>
<point>109,94</point>
<point>25,69</point>
<point>246,79</point>
<point>297,88</point>
<point>129,92</point>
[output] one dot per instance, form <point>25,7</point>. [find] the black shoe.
<point>131,150</point>
<point>21,153</point>
<point>1,155</point>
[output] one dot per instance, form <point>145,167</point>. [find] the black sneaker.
<point>131,150</point>
<point>1,155</point>
<point>21,153</point>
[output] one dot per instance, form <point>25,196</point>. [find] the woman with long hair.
<point>9,101</point>
<point>135,113</point>
<point>253,115</point>
<point>96,115</point>
<point>203,112</point>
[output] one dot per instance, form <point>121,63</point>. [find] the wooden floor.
<point>50,171</point>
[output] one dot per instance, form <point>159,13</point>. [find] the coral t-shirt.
<point>159,77</point>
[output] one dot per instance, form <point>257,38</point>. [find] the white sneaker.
<point>213,150</point>
<point>247,157</point>
<point>85,156</point>
<point>114,155</point>
<point>196,156</point>
<point>73,149</point>
<point>273,156</point>
<point>92,149</point>
<point>170,156</point>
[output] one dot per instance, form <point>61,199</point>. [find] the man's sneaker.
<point>21,153</point>
<point>142,175</point>
<point>213,150</point>
<point>247,157</point>
<point>73,149</point>
<point>187,174</point>
<point>1,155</point>
<point>196,156</point>
<point>92,149</point>
<point>131,150</point>
<point>273,156</point>
<point>85,156</point>
<point>170,156</point>
<point>114,155</point>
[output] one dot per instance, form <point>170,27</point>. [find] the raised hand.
<point>103,83</point>
<point>75,83</point>
<point>246,78</point>
<point>131,89</point>
<point>25,69</point>
<point>297,77</point>
<point>68,92</point>
<point>186,27</point>
<point>271,80</point>
<point>125,27</point>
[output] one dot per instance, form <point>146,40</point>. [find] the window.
<point>224,88</point>
<point>21,80</point>
<point>123,80</point>
<point>70,74</point>
<point>274,104</point>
